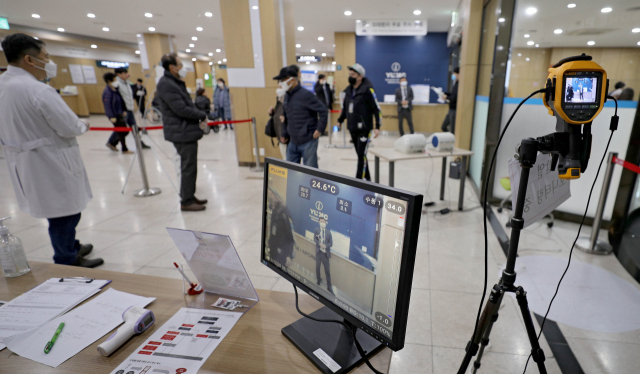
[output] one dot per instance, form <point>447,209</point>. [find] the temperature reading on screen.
<point>305,192</point>
<point>394,207</point>
<point>372,201</point>
<point>383,319</point>
<point>325,186</point>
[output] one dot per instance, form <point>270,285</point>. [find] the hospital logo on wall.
<point>319,205</point>
<point>393,76</point>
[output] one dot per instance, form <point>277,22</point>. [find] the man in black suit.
<point>323,91</point>
<point>324,241</point>
<point>404,98</point>
<point>139,95</point>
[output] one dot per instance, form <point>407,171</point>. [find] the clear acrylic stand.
<point>217,267</point>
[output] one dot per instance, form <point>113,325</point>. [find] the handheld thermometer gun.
<point>136,321</point>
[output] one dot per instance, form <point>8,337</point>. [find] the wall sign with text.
<point>391,27</point>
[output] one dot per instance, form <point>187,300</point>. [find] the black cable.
<point>484,204</point>
<point>353,333</point>
<point>613,129</point>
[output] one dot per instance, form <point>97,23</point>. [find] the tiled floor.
<point>129,233</point>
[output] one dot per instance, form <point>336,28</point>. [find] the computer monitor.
<point>349,243</point>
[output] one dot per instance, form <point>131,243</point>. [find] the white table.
<point>392,156</point>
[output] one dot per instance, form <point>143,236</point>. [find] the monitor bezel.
<point>410,242</point>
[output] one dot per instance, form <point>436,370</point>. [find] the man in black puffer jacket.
<point>181,120</point>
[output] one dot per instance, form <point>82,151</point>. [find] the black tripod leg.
<point>484,327</point>
<point>536,352</point>
<point>485,337</point>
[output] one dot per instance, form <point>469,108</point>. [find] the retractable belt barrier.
<point>128,129</point>
<point>626,164</point>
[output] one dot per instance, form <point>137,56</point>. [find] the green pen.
<point>49,345</point>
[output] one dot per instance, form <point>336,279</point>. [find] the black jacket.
<point>203,103</point>
<point>304,114</point>
<point>180,117</point>
<point>453,96</point>
<point>320,94</point>
<point>365,107</point>
<point>135,89</point>
<point>409,97</point>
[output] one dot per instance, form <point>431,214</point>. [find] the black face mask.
<point>352,81</point>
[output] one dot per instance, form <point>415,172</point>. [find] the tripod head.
<point>576,91</point>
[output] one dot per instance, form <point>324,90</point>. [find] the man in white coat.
<point>38,133</point>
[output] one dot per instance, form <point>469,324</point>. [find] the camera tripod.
<point>527,155</point>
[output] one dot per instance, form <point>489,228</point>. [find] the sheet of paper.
<point>89,74</point>
<point>43,303</point>
<point>82,327</point>
<point>76,73</point>
<point>182,344</point>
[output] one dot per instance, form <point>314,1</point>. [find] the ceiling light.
<point>358,21</point>
<point>210,63</point>
<point>300,28</point>
<point>193,59</point>
<point>218,50</point>
<point>526,35</point>
<point>637,29</point>
<point>199,28</point>
<point>60,29</point>
<point>36,38</point>
<point>530,42</point>
<point>557,31</point>
<point>208,14</point>
<point>333,63</point>
<point>194,38</point>
<point>527,59</point>
<point>320,38</point>
<point>219,62</point>
<point>324,55</point>
<point>192,45</point>
<point>334,46</point>
<point>313,51</point>
<point>638,42</point>
<point>152,29</point>
<point>138,35</point>
<point>94,46</point>
<point>571,5</point>
<point>417,12</point>
<point>148,15</point>
<point>537,45</point>
<point>347,13</point>
<point>308,62</point>
<point>105,29</point>
<point>210,53</point>
<point>91,15</point>
<point>591,42</point>
<point>187,50</point>
<point>255,7</point>
<point>137,51</point>
<point>501,19</point>
<point>606,10</point>
<point>298,45</point>
<point>35,15</point>
<point>224,60</point>
<point>519,54</point>
<point>531,11</point>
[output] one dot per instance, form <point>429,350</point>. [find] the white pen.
<point>184,275</point>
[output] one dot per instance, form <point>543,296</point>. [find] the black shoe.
<point>144,146</point>
<point>201,202</point>
<point>86,263</point>
<point>192,208</point>
<point>85,249</point>
<point>225,127</point>
<point>319,281</point>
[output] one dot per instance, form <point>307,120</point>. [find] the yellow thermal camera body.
<point>576,93</point>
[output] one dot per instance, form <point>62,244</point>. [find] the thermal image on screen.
<point>580,90</point>
<point>343,242</point>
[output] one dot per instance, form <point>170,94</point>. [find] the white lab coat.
<point>38,133</point>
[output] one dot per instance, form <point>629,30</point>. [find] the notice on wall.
<point>89,74</point>
<point>421,93</point>
<point>391,27</point>
<point>545,192</point>
<point>77,77</point>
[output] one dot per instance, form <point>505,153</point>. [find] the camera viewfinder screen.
<point>580,90</point>
<point>343,242</point>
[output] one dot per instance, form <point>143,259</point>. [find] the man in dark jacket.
<point>360,108</point>
<point>139,95</point>
<point>181,120</point>
<point>404,98</point>
<point>305,119</point>
<point>449,123</point>
<point>280,241</point>
<point>323,91</point>
<point>324,241</point>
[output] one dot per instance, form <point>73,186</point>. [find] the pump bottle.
<point>12,257</point>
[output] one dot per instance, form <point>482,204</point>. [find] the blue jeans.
<point>308,152</point>
<point>62,231</point>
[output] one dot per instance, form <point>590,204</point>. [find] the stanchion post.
<point>145,191</point>
<point>257,168</point>
<point>592,244</point>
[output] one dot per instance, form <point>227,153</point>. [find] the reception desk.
<point>77,102</point>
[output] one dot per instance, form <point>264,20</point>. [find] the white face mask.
<point>221,85</point>
<point>182,72</point>
<point>322,82</point>
<point>114,84</point>
<point>323,225</point>
<point>280,92</point>
<point>286,85</point>
<point>49,67</point>
<point>403,83</point>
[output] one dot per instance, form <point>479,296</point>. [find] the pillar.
<point>152,47</point>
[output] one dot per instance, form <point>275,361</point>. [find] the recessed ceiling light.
<point>537,45</point>
<point>334,46</point>
<point>347,13</point>
<point>358,21</point>
<point>218,50</point>
<point>417,12</point>
<point>501,19</point>
<point>193,59</point>
<point>210,53</point>
<point>152,29</point>
<point>194,38</point>
<point>91,15</point>
<point>298,45</point>
<point>105,29</point>
<point>519,54</point>
<point>208,14</point>
<point>137,52</point>
<point>527,59</point>
<point>638,42</point>
<point>300,28</point>
<point>557,31</point>
<point>324,55</point>
<point>320,38</point>
<point>308,62</point>
<point>531,10</point>
<point>333,63</point>
<point>255,7</point>
<point>572,5</point>
<point>526,35</point>
<point>637,29</point>
<point>36,38</point>
<point>138,35</point>
<point>94,46</point>
<point>219,62</point>
<point>606,10</point>
<point>224,60</point>
<point>313,51</point>
<point>199,28</point>
<point>60,29</point>
<point>148,15</point>
<point>192,45</point>
<point>187,50</point>
<point>530,42</point>
<point>210,63</point>
<point>35,15</point>
<point>591,42</point>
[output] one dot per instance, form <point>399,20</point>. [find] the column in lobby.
<point>153,46</point>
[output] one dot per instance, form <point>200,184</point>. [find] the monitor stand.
<point>308,336</point>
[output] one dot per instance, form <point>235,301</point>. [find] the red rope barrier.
<point>335,111</point>
<point>627,165</point>
<point>128,129</point>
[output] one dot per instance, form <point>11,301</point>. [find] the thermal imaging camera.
<point>576,91</point>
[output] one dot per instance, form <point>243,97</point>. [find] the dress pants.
<point>360,143</point>
<point>449,123</point>
<point>188,171</point>
<point>119,137</point>
<point>402,114</point>
<point>62,231</point>
<point>322,258</point>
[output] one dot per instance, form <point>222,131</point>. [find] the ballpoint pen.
<point>50,344</point>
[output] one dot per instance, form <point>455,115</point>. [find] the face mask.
<point>221,85</point>
<point>182,72</point>
<point>286,85</point>
<point>114,84</point>
<point>352,80</point>
<point>403,83</point>
<point>453,77</point>
<point>280,92</point>
<point>321,82</point>
<point>49,67</point>
<point>323,224</point>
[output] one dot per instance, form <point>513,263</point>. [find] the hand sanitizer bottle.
<point>12,257</point>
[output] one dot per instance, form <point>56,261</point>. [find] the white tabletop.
<point>390,154</point>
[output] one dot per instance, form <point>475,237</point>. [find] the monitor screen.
<point>349,243</point>
<point>581,90</point>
